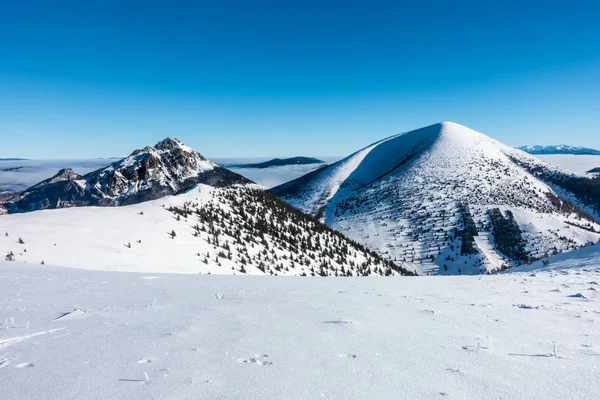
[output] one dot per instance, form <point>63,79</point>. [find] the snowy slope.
<point>170,167</point>
<point>410,197</point>
<point>75,334</point>
<point>584,258</point>
<point>217,230</point>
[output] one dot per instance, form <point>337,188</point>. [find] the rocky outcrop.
<point>168,168</point>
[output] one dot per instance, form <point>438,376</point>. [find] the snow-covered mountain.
<point>168,168</point>
<point>444,199</point>
<point>557,149</point>
<point>233,230</point>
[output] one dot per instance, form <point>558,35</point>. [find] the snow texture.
<point>409,197</point>
<point>140,237</point>
<point>81,334</point>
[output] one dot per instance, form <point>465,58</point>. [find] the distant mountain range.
<point>13,159</point>
<point>279,162</point>
<point>558,149</point>
<point>446,199</point>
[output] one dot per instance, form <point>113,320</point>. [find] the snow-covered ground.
<point>80,334</point>
<point>140,237</point>
<point>585,257</point>
<point>579,164</point>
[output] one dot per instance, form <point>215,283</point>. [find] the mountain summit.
<point>170,167</point>
<point>445,199</point>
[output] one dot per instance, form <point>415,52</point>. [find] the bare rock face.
<point>168,168</point>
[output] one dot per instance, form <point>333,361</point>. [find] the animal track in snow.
<point>4,343</point>
<point>258,359</point>
<point>77,312</point>
<point>4,362</point>
<point>527,307</point>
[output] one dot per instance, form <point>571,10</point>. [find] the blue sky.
<point>282,78</point>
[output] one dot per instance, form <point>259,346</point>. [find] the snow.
<point>401,197</point>
<point>72,334</point>
<point>137,238</point>
<point>585,258</point>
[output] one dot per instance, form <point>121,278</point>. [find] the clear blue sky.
<point>281,78</point>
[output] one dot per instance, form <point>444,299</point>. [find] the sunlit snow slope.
<point>236,230</point>
<point>437,199</point>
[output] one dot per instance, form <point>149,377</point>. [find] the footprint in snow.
<point>526,307</point>
<point>76,313</point>
<point>144,361</point>
<point>4,362</point>
<point>25,365</point>
<point>258,359</point>
<point>349,355</point>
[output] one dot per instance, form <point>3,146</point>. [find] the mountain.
<point>447,199</point>
<point>168,168</point>
<point>231,230</point>
<point>13,159</point>
<point>279,162</point>
<point>558,149</point>
<point>594,170</point>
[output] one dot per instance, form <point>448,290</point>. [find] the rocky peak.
<point>66,174</point>
<point>169,168</point>
<point>168,144</point>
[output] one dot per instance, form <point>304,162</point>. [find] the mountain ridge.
<point>279,162</point>
<point>216,230</point>
<point>557,149</point>
<point>170,167</point>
